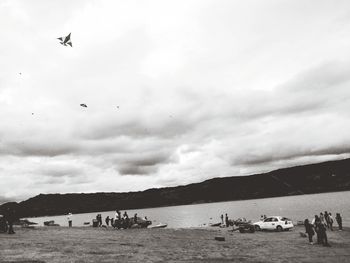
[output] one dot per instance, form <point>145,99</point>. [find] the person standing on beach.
<point>339,221</point>
<point>107,221</point>
<point>10,217</point>
<point>222,219</point>
<point>70,219</point>
<point>326,217</point>
<point>331,220</point>
<point>323,235</point>
<point>226,220</point>
<point>309,230</point>
<point>322,218</point>
<point>317,222</point>
<point>99,219</point>
<point>126,220</point>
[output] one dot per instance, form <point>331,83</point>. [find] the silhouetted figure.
<point>99,219</point>
<point>339,221</point>
<point>322,218</point>
<point>135,219</point>
<point>107,220</point>
<point>331,221</point>
<point>226,220</point>
<point>323,235</point>
<point>117,219</point>
<point>326,217</point>
<point>10,217</point>
<point>222,219</point>
<point>126,220</point>
<point>317,222</point>
<point>70,219</point>
<point>309,229</point>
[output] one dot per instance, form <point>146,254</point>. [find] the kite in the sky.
<point>83,105</point>
<point>65,40</point>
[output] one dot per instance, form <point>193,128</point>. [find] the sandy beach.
<point>87,244</point>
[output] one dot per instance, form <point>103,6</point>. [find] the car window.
<point>275,220</point>
<point>268,219</point>
<point>285,219</point>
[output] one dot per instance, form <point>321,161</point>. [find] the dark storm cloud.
<point>62,170</point>
<point>136,170</point>
<point>265,158</point>
<point>143,163</point>
<point>40,147</point>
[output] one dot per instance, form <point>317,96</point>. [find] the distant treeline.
<point>315,178</point>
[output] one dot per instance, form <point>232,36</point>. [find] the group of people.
<point>121,221</point>
<point>320,224</point>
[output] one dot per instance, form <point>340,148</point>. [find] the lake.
<point>200,215</point>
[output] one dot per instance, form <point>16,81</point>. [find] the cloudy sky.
<point>177,91</point>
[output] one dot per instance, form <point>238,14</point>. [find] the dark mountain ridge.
<point>328,176</point>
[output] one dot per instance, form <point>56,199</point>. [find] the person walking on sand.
<point>70,219</point>
<point>339,221</point>
<point>309,229</point>
<point>107,221</point>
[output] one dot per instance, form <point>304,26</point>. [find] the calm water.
<point>294,207</point>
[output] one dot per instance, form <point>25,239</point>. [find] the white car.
<point>278,223</point>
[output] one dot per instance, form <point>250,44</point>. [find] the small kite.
<point>83,105</point>
<point>65,40</point>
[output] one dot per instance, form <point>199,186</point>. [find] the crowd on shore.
<point>320,224</point>
<point>119,221</point>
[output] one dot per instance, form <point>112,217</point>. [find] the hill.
<point>307,179</point>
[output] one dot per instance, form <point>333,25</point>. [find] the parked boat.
<point>160,225</point>
<point>50,223</point>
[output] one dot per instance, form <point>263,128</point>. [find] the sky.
<point>177,92</point>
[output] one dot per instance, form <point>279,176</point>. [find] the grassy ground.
<point>60,244</point>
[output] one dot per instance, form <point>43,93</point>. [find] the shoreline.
<point>87,244</point>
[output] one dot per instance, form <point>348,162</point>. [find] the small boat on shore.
<point>160,225</point>
<point>50,223</point>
